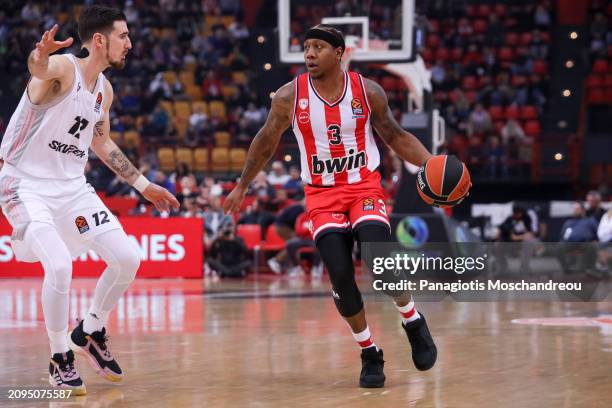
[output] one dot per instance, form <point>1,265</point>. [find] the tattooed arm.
<point>106,149</point>
<point>264,144</point>
<point>405,144</point>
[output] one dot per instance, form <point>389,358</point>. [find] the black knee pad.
<point>375,240</point>
<point>336,251</point>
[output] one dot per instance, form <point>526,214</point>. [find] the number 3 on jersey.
<point>333,134</point>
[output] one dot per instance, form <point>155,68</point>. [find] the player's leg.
<point>424,351</point>
<point>89,337</point>
<point>46,244</point>
<point>335,249</point>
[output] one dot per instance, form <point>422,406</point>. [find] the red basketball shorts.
<point>342,208</point>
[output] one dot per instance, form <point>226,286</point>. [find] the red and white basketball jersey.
<point>336,142</point>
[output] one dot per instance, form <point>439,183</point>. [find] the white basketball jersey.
<point>52,140</point>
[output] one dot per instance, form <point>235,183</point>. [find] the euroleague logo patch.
<point>81,224</point>
<point>357,107</point>
<point>98,102</point>
<point>303,103</point>
<point>303,118</point>
<point>368,204</point>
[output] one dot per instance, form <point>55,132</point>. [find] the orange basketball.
<point>443,181</point>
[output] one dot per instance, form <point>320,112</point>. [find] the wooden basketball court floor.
<point>278,342</point>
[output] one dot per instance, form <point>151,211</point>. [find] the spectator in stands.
<point>294,184</point>
<point>159,87</point>
<point>214,219</point>
<point>517,228</point>
<point>594,208</point>
<point>228,254</point>
<point>495,155</point>
<point>254,117</point>
<point>604,230</point>
<point>159,121</point>
<point>211,87</point>
<point>190,209</point>
<point>438,73</point>
<point>541,15</point>
<point>479,122</point>
<point>581,228</point>
<point>260,187</point>
<point>278,175</point>
<point>512,130</point>
<point>198,126</point>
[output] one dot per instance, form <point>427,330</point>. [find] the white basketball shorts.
<point>71,206</point>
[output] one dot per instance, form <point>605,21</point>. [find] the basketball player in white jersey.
<point>54,213</point>
<point>332,114</point>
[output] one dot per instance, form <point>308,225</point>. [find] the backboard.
<point>377,31</point>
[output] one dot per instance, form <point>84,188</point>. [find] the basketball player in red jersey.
<point>332,114</point>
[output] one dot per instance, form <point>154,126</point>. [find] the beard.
<point>116,64</point>
<point>119,64</point>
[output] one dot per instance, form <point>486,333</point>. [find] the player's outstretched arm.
<point>405,144</point>
<point>263,145</point>
<point>44,67</point>
<point>106,149</point>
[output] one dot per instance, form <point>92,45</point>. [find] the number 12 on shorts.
<point>100,218</point>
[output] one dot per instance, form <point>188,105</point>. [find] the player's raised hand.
<point>161,198</point>
<point>48,45</point>
<point>234,200</point>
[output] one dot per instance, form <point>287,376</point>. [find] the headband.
<point>319,34</point>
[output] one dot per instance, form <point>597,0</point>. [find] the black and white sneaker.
<point>93,346</point>
<point>63,374</point>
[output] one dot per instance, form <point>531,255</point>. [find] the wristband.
<point>141,183</point>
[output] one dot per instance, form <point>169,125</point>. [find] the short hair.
<point>595,194</point>
<point>98,19</point>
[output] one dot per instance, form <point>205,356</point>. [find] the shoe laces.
<point>101,339</point>
<point>68,369</point>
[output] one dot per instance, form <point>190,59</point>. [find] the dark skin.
<point>323,64</point>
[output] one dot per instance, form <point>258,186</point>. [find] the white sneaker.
<point>275,266</point>
<point>295,271</point>
<point>317,270</point>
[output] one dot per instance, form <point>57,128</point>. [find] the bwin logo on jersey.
<point>338,164</point>
<point>66,148</point>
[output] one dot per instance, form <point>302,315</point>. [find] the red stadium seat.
<point>484,10</point>
<point>505,54</point>
<point>250,234</point>
<point>427,54</point>
<point>456,54</point>
<point>434,26</point>
<point>433,41</point>
<point>442,54</point>
<point>600,66</point>
<point>469,83</point>
<point>533,128</point>
<point>529,112</point>
<point>595,80</point>
<point>540,67</point>
<point>471,96</point>
<point>498,126</point>
<point>608,80</point>
<point>480,26</point>
<point>273,241</point>
<point>608,95</point>
<point>496,113</point>
<point>471,10</point>
<point>596,96</point>
<point>500,9</point>
<point>518,80</point>
<point>512,39</point>
<point>526,38</point>
<point>512,112</point>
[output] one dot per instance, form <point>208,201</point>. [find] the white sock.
<point>364,339</point>
<point>58,341</point>
<point>409,312</point>
<point>95,320</point>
